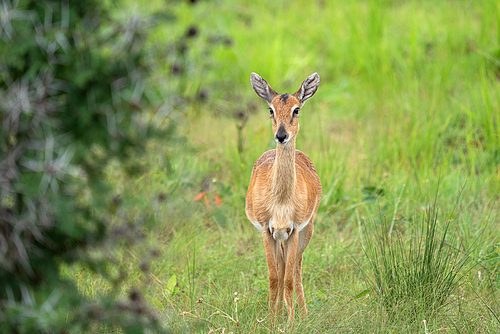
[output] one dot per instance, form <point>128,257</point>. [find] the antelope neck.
<point>284,179</point>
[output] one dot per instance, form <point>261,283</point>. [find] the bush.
<point>71,100</point>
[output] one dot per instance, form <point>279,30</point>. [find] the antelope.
<point>284,195</point>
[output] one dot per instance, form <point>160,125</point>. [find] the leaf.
<point>172,282</point>
<point>217,200</point>
<point>363,293</point>
<point>200,196</point>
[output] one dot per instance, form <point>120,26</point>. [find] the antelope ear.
<point>308,88</point>
<point>262,88</point>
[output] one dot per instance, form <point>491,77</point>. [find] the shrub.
<point>71,100</point>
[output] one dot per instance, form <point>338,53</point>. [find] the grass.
<point>416,280</point>
<point>409,99</point>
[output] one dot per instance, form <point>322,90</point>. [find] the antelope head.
<point>284,108</point>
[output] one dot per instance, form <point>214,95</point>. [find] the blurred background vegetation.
<point>128,134</point>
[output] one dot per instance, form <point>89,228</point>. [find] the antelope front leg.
<point>290,254</point>
<point>273,259</point>
<point>304,238</point>
<point>281,277</point>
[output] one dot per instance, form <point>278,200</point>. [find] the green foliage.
<point>72,99</point>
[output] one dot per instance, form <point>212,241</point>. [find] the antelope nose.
<point>281,137</point>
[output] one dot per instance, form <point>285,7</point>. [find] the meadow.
<point>405,136</point>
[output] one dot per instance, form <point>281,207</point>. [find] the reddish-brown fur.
<point>284,191</point>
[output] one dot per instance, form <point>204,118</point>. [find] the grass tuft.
<point>416,275</point>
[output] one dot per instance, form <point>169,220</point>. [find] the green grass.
<point>409,99</point>
<point>416,276</point>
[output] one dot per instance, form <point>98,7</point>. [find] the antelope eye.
<point>271,112</point>
<point>296,111</point>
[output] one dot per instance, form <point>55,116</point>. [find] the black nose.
<point>281,137</point>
